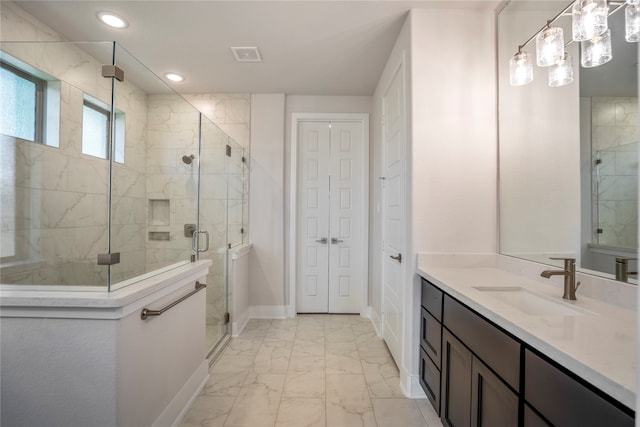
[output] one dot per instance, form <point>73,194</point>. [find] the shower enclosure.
<point>108,176</point>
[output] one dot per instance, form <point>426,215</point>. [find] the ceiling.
<point>308,47</point>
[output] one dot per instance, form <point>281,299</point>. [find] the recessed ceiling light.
<point>246,54</point>
<point>112,20</point>
<point>174,77</point>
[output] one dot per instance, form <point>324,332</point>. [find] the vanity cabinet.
<point>476,374</point>
<point>472,350</point>
<point>565,401</point>
<point>431,342</point>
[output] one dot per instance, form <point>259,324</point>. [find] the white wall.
<point>266,206</point>
<point>452,151</point>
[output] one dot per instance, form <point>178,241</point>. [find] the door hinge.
<point>599,231</point>
<point>242,231</point>
<point>598,161</point>
<point>228,152</point>
<point>244,159</point>
<point>227,318</point>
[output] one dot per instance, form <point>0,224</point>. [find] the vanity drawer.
<point>430,380</point>
<point>564,401</point>
<point>431,336</point>
<point>494,347</point>
<point>432,299</point>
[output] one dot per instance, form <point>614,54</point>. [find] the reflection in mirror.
<point>568,155</point>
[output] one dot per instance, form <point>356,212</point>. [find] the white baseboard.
<point>376,321</point>
<point>180,404</point>
<point>238,324</point>
<point>268,312</point>
<point>410,385</point>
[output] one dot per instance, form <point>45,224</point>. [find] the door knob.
<point>335,241</point>
<point>323,241</point>
<point>397,258</point>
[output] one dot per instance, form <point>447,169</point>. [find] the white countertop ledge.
<point>598,347</point>
<point>129,292</point>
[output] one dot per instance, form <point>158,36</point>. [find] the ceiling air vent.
<point>246,54</point>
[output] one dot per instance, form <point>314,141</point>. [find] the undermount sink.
<point>532,303</point>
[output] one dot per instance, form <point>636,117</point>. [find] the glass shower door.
<point>212,217</point>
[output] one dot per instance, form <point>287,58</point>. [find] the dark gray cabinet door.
<point>531,419</point>
<point>564,401</point>
<point>430,380</point>
<point>456,382</point>
<point>431,336</point>
<point>492,402</point>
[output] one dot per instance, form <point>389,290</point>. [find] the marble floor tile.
<point>301,412</point>
<point>258,401</point>
<point>397,412</point>
<point>314,370</point>
<point>225,383</point>
<point>348,402</point>
<point>208,411</point>
<point>272,356</point>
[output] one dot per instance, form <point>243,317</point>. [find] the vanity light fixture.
<point>174,77</point>
<point>549,46</point>
<point>561,73</point>
<point>112,20</point>
<point>589,19</point>
<point>596,51</point>
<point>589,27</point>
<point>520,69</point>
<point>632,22</point>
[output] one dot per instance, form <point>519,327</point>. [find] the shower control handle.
<point>322,240</point>
<point>194,241</point>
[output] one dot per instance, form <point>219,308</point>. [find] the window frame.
<point>94,106</point>
<point>40,97</point>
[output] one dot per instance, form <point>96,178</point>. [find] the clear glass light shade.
<point>549,46</point>
<point>561,73</point>
<point>636,2</point>
<point>520,69</point>
<point>632,23</point>
<point>596,51</point>
<point>589,19</point>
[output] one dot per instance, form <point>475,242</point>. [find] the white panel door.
<point>330,222</point>
<point>394,144</point>
<point>313,217</point>
<point>346,218</point>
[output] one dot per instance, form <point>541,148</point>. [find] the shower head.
<point>188,159</point>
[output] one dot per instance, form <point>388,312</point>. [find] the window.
<point>96,130</point>
<point>21,104</point>
<point>96,125</point>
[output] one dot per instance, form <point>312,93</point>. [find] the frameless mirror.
<point>569,155</point>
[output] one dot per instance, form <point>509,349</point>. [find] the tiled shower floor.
<point>314,370</point>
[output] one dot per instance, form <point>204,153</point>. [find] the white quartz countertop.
<point>598,345</point>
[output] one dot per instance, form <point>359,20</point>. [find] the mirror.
<point>568,156</point>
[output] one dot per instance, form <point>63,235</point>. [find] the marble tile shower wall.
<point>59,220</point>
<point>615,143</point>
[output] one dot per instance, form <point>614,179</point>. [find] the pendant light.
<point>596,51</point>
<point>561,73</point>
<point>589,19</point>
<point>549,46</point>
<point>632,22</point>
<point>520,69</point>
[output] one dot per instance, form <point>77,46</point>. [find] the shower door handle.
<point>195,240</point>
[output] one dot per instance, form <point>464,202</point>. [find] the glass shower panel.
<point>155,173</point>
<point>53,196</point>
<point>235,194</point>
<point>213,219</point>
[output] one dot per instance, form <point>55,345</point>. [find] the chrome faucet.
<point>569,274</point>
